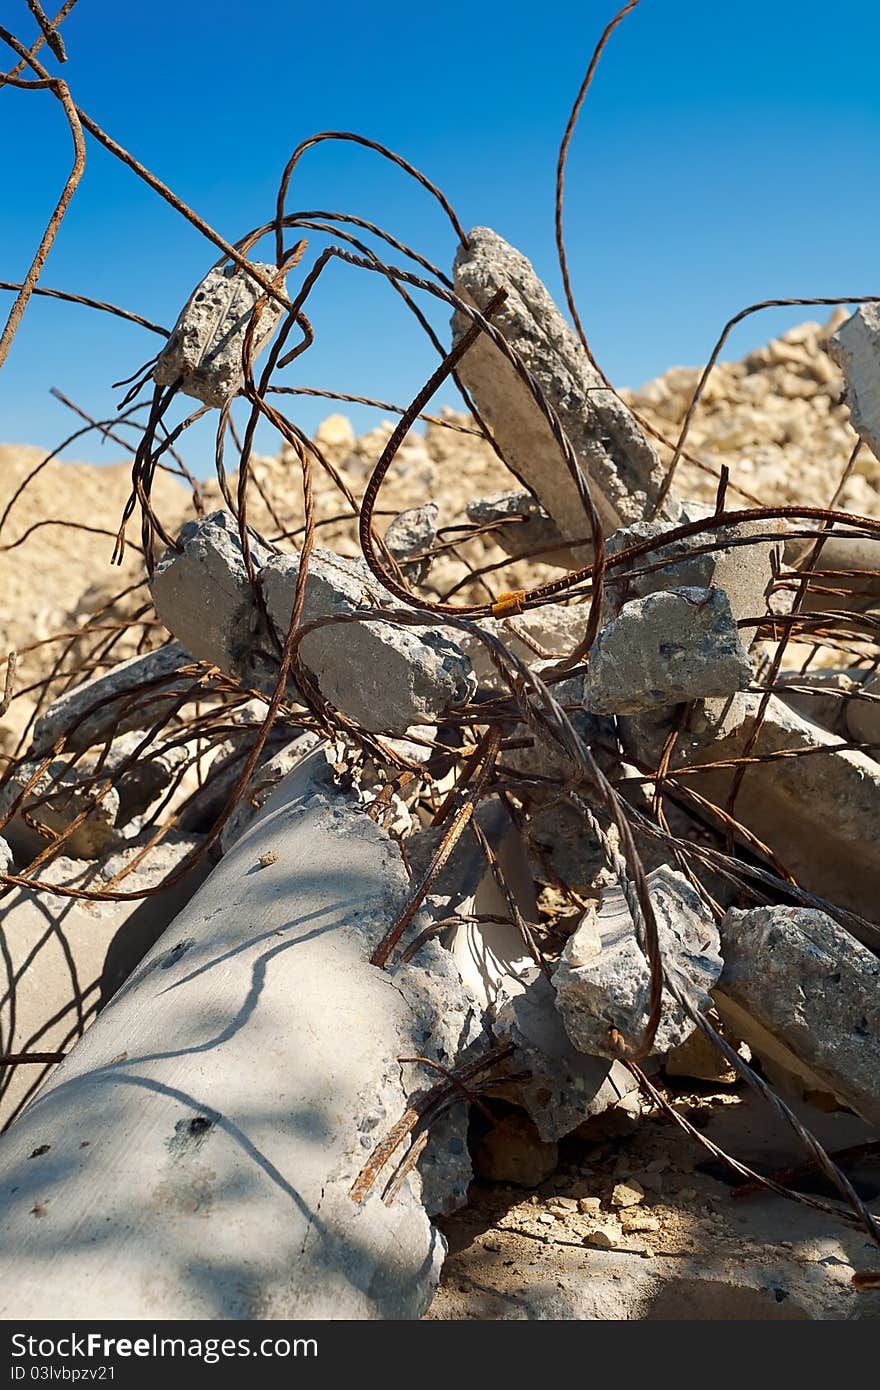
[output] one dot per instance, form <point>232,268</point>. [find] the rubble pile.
<point>355,866</point>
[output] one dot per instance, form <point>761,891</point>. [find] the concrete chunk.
<point>205,347</point>
<point>88,713</point>
<point>410,534</point>
<point>204,597</point>
<point>603,979</point>
<point>384,676</point>
<point>744,572</point>
<point>526,528</point>
<point>621,465</point>
<point>855,348</point>
<point>564,1087</point>
<point>797,986</point>
<point>679,644</point>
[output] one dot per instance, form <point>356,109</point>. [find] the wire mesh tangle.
<point>195,710</point>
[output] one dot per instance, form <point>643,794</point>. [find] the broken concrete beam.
<point>855,348</point>
<point>564,1087</point>
<point>671,646</point>
<point>863,716</point>
<point>603,980</point>
<point>66,799</point>
<point>409,536</point>
<point>855,592</point>
<point>383,675</point>
<point>107,705</point>
<point>800,990</point>
<point>204,597</point>
<point>230,1094</point>
<point>7,862</point>
<point>520,526</point>
<point>819,813</point>
<point>621,466</point>
<point>743,571</point>
<point>822,697</point>
<point>204,350</point>
<point>63,958</point>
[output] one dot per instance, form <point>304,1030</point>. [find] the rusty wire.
<point>168,712</point>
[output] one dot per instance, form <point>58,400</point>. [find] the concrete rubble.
<point>741,566</point>
<point>521,526</point>
<point>408,675</point>
<point>622,468</point>
<point>805,996</point>
<point>409,536</point>
<point>111,704</point>
<point>675,645</point>
<point>235,1059</point>
<point>204,351</point>
<point>602,982</point>
<point>222,1146</point>
<point>785,802</point>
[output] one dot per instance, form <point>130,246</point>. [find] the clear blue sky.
<point>726,153</point>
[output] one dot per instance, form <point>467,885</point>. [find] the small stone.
<point>627,1194</point>
<point>605,1237</point>
<point>590,1206</point>
<point>635,1220</point>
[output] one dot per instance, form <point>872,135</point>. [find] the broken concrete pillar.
<point>603,980</point>
<point>802,992</point>
<point>225,1101</point>
<point>385,676</point>
<point>63,958</point>
<point>621,466</point>
<point>205,347</point>
<point>65,799</point>
<point>744,572</point>
<point>855,348</point>
<point>679,644</point>
<point>108,705</point>
<point>819,813</point>
<point>204,597</point>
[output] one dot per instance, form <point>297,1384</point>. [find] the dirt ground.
<point>696,1251</point>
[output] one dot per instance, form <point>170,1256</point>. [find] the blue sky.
<point>727,152</point>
